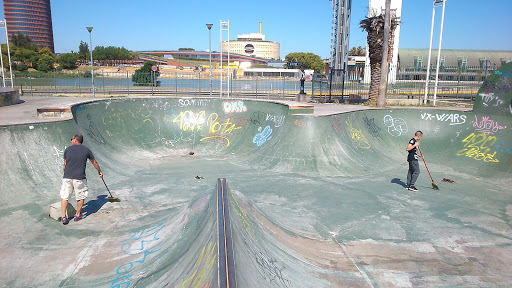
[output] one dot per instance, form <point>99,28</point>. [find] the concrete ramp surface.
<point>308,201</point>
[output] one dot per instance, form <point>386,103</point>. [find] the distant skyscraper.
<point>32,18</point>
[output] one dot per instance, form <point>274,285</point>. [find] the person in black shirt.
<point>75,160</point>
<point>412,158</point>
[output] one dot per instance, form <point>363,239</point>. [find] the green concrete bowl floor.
<point>313,201</point>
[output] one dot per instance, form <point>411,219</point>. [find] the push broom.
<point>434,185</point>
<point>111,198</point>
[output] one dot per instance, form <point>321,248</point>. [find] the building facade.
<point>341,10</point>
<point>253,45</point>
<point>32,18</point>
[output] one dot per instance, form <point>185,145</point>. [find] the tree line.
<point>26,54</point>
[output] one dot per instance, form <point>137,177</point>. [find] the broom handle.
<point>423,162</point>
<point>109,189</point>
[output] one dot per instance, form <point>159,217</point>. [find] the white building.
<point>253,44</point>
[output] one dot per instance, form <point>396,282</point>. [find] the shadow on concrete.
<point>93,206</point>
<point>399,182</point>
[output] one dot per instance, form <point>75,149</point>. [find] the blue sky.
<point>298,25</point>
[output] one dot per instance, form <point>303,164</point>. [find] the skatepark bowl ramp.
<point>242,193</point>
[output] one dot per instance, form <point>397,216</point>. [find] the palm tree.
<point>374,26</point>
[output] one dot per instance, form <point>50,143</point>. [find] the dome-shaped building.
<point>254,45</point>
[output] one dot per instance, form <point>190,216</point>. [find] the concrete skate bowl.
<point>310,201</point>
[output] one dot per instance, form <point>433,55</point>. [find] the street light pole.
<point>210,50</point>
<point>90,49</point>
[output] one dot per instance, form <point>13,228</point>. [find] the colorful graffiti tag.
<point>478,146</point>
<point>487,125</point>
<point>263,136</point>
<point>142,242</point>
<point>357,136</point>
<point>234,107</point>
<point>219,128</point>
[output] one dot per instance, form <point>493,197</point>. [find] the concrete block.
<point>56,211</point>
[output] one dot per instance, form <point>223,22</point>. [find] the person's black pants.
<point>414,171</point>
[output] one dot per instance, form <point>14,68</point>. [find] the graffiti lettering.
<point>263,136</point>
<point>234,106</point>
<point>372,128</point>
<point>477,147</point>
<point>193,102</point>
<point>357,136</point>
<point>490,98</point>
<point>190,121</point>
<point>278,120</point>
<point>396,127</point>
<point>486,125</point>
<point>454,119</point>
<point>138,242</point>
<point>299,123</point>
<point>220,127</point>
<point>145,123</point>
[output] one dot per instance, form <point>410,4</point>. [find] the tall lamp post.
<point>92,69</point>
<point>210,50</point>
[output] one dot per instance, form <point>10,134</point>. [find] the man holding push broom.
<point>75,160</point>
<point>412,158</point>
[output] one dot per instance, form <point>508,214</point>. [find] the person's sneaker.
<point>65,220</point>
<point>412,188</point>
<point>407,187</point>
<point>79,217</point>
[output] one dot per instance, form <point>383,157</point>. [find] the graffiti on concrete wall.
<point>220,128</point>
<point>478,147</point>
<point>278,120</point>
<point>372,128</point>
<point>501,145</point>
<point>396,126</point>
<point>489,99</point>
<point>202,268</point>
<point>452,118</point>
<point>487,125</point>
<point>234,107</point>
<point>262,137</point>
<point>142,243</point>
<point>192,102</point>
<point>357,136</point>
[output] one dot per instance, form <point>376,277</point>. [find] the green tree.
<point>186,49</point>
<point>23,41</point>
<point>142,76</point>
<point>374,26</point>
<point>21,67</point>
<point>308,60</point>
<point>45,63</point>
<point>68,60</point>
<point>83,51</point>
<point>25,56</point>
<point>359,51</point>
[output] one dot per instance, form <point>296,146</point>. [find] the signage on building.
<point>249,48</point>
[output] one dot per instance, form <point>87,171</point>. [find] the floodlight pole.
<point>224,25</point>
<point>210,50</point>
<point>92,69</point>
<point>439,52</point>
<point>430,51</point>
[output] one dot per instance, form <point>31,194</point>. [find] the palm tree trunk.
<point>374,83</point>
